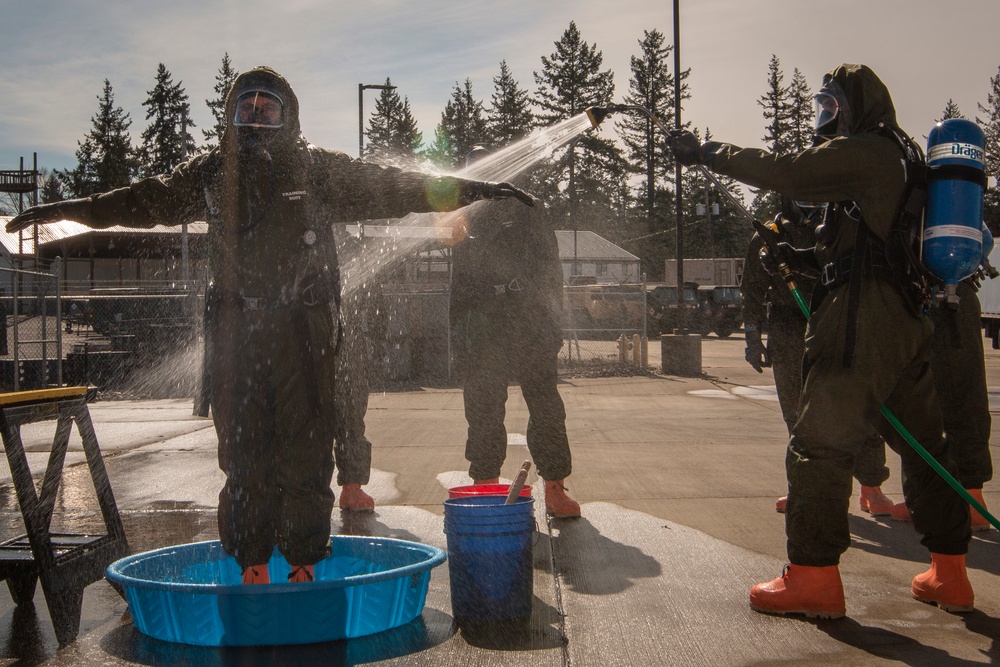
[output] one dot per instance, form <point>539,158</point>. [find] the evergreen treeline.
<point>617,182</point>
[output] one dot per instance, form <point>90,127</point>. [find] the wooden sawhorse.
<point>66,563</point>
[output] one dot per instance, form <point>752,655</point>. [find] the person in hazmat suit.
<point>959,369</point>
<point>352,449</point>
<point>273,309</point>
<point>506,312</point>
<point>768,305</point>
<point>867,345</point>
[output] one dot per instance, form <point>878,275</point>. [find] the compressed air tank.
<point>953,221</point>
<point>988,243</point>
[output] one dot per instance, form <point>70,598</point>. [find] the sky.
<point>57,54</point>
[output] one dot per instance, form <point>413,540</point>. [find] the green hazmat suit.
<point>506,312</point>
<point>960,377</point>
<point>272,329</point>
<point>844,388</point>
<point>767,300</point>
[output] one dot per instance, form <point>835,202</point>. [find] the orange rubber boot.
<point>979,522</point>
<point>494,480</point>
<point>256,574</point>
<point>353,498</point>
<point>900,512</point>
<point>780,504</point>
<point>558,503</point>
<point>946,584</point>
<point>875,502</point>
<point>816,592</point>
<point>301,574</point>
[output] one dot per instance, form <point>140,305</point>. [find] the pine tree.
<point>105,158</point>
<point>223,83</point>
<point>777,132</point>
<point>951,110</point>
<point>990,124</point>
<point>51,189</point>
<point>166,140</point>
<point>801,113</point>
<point>462,126</point>
<point>392,131</point>
<point>651,87</point>
<point>584,182</point>
<point>509,117</point>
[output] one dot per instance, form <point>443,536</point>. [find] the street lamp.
<point>362,87</point>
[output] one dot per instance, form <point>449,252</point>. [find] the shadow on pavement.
<point>883,643</point>
<point>430,629</point>
<point>592,564</point>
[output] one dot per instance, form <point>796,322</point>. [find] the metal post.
<point>362,87</point>
<point>185,274</point>
<point>679,204</point>
<point>57,276</point>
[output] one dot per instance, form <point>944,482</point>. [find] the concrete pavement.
<point>677,477</point>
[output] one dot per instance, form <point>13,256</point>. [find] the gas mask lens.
<point>257,108</point>
<point>827,108</point>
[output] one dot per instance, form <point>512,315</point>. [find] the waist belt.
<point>838,272</point>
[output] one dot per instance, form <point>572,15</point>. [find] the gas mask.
<point>833,114</point>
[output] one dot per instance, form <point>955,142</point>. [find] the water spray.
<point>769,236</point>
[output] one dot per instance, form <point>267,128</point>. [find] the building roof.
<point>67,229</point>
<point>591,247</point>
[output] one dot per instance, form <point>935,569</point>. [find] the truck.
<point>707,309</point>
<point>706,271</point>
<point>989,301</point>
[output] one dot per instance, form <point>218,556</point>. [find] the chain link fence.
<point>605,330</point>
<point>141,340</point>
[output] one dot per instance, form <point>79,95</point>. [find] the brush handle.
<point>515,488</point>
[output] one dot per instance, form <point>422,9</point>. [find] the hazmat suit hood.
<point>867,98</point>
<point>267,80</point>
<point>258,162</point>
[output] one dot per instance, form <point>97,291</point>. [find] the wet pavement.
<point>677,478</point>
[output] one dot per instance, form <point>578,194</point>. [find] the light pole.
<point>362,87</point>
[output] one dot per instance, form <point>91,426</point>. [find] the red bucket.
<point>485,490</point>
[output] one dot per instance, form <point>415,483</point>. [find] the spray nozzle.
<point>598,114</point>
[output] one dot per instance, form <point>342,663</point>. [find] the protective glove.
<point>801,261</point>
<point>686,147</point>
<point>756,353</point>
<point>43,214</point>
<point>475,190</point>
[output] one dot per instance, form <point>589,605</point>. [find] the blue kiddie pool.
<point>193,593</point>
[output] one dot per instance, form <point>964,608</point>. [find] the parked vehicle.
<point>663,313</point>
<point>989,300</point>
<point>719,310</point>
<point>707,309</point>
<point>612,308</point>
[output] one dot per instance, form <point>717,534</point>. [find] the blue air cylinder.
<point>988,243</point>
<point>956,180</point>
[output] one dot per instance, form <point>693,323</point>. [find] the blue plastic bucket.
<point>490,557</point>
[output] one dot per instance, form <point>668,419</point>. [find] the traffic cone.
<point>946,584</point>
<point>979,522</point>
<point>558,503</point>
<point>816,592</point>
<point>874,501</point>
<point>353,498</point>
<point>301,574</point>
<point>256,574</point>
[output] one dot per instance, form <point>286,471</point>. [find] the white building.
<point>596,257</point>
